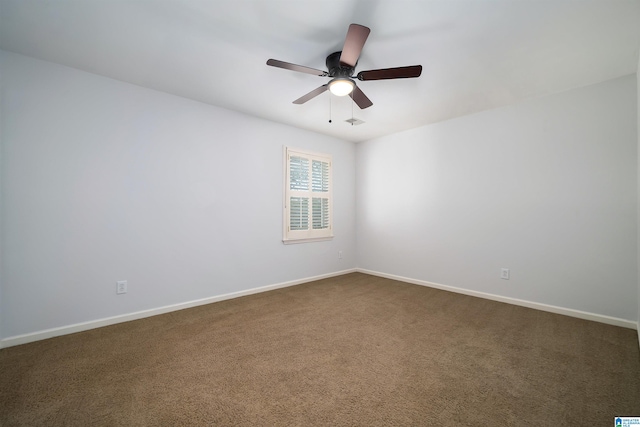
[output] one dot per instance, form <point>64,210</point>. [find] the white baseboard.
<point>84,326</point>
<point>535,305</point>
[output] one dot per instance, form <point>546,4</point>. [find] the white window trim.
<point>311,235</point>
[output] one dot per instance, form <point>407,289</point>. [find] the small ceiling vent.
<point>354,121</point>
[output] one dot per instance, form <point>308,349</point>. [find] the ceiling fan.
<point>341,67</point>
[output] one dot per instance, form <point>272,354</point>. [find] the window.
<point>307,197</point>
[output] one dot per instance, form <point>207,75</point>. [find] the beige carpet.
<point>352,350</point>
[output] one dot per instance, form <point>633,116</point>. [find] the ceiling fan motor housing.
<point>337,69</point>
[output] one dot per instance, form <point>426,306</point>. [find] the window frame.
<point>310,234</point>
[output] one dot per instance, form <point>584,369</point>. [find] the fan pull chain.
<point>329,108</point>
<point>352,102</point>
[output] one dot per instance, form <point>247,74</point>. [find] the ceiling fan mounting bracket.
<point>338,69</point>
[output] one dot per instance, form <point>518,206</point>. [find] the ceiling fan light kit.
<point>341,86</point>
<point>341,67</point>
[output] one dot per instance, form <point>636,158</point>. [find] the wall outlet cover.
<point>121,287</point>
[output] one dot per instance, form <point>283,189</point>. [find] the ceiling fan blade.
<point>391,73</point>
<point>360,98</point>
<point>311,94</point>
<point>294,67</point>
<point>356,36</point>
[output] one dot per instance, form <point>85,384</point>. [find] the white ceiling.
<point>475,55</point>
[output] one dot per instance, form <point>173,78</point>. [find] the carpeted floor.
<point>351,350</point>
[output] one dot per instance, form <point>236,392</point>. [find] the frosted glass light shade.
<point>341,87</point>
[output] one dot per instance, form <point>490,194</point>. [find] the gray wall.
<point>547,188</point>
<point>105,181</point>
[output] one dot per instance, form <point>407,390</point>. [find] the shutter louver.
<point>299,213</point>
<point>319,176</point>
<point>320,213</point>
<point>299,173</point>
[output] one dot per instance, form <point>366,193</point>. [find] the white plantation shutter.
<point>308,198</point>
<point>299,219</point>
<point>320,213</point>
<point>299,173</point>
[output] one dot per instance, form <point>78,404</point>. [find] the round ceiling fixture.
<point>341,86</point>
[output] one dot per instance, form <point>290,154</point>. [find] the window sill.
<point>307,240</point>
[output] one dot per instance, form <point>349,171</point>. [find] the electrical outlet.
<point>121,287</point>
<point>504,273</point>
<point>339,254</point>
